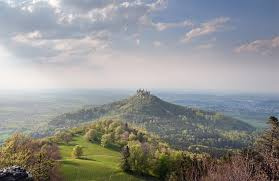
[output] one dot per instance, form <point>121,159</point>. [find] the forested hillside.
<point>182,127</point>
<point>113,150</point>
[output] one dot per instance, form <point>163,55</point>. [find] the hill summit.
<point>181,126</point>
<point>144,103</point>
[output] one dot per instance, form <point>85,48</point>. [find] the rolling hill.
<point>182,127</point>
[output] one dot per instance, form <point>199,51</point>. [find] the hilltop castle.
<point>142,93</point>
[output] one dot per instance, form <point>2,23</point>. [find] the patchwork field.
<point>98,163</point>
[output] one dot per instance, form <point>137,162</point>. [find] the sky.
<point>218,45</point>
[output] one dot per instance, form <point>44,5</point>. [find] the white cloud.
<point>157,44</point>
<point>44,27</point>
<point>138,42</point>
<point>206,28</point>
<point>54,3</point>
<point>259,46</point>
<point>275,42</point>
<point>164,26</point>
<point>205,46</point>
<point>161,26</point>
<point>158,5</point>
<point>56,47</point>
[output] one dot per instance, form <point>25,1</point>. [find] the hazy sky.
<point>176,44</point>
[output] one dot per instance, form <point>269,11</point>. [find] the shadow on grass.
<point>89,159</point>
<point>145,177</point>
<point>113,147</point>
<point>140,176</point>
<point>69,162</point>
<point>67,144</point>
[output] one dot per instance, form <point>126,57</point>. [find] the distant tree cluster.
<point>113,133</point>
<point>62,137</point>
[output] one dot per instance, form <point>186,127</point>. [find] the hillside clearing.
<point>98,163</point>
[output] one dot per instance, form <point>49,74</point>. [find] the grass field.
<point>98,163</point>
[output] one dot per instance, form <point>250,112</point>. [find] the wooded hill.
<point>183,127</point>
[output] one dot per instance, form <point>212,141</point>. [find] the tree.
<point>92,135</point>
<point>238,168</point>
<point>36,156</point>
<point>63,137</point>
<point>189,169</point>
<point>106,140</point>
<point>268,147</point>
<point>132,137</point>
<point>77,151</point>
<point>42,166</point>
<point>125,154</point>
<point>162,165</point>
<point>257,164</point>
<point>140,156</point>
<point>269,141</point>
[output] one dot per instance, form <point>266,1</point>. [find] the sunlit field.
<point>98,163</point>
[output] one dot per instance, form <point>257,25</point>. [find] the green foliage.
<point>269,141</point>
<point>62,137</point>
<point>132,137</point>
<point>140,155</point>
<point>218,116</point>
<point>77,152</point>
<point>92,135</point>
<point>162,165</point>
<point>188,168</point>
<point>125,155</point>
<point>37,156</point>
<point>106,140</point>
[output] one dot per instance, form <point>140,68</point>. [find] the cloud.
<point>206,28</point>
<point>259,46</point>
<point>138,42</point>
<point>48,28</point>
<point>80,5</point>
<point>205,46</point>
<point>161,26</point>
<point>158,5</point>
<point>36,46</point>
<point>157,44</point>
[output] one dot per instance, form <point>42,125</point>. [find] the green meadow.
<point>97,163</point>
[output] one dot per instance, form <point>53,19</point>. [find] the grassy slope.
<point>99,163</point>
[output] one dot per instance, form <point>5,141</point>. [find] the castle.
<point>142,93</point>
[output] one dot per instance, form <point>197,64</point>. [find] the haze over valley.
<point>139,90</point>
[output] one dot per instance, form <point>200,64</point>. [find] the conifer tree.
<point>268,147</point>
